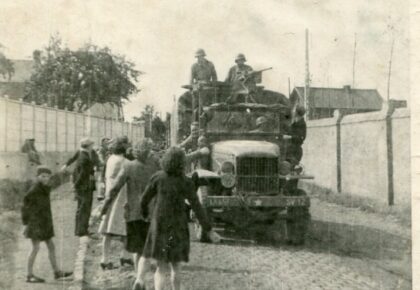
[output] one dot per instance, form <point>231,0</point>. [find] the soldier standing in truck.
<point>203,70</point>
<point>238,78</point>
<point>202,73</point>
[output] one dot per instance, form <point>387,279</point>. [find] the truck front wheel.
<point>298,219</point>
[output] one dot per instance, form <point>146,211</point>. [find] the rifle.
<point>253,73</point>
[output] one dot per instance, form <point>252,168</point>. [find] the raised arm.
<point>72,159</point>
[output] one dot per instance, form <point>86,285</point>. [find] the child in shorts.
<point>38,224</point>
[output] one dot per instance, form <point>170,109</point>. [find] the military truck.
<point>247,182</point>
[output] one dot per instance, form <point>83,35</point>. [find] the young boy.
<point>38,223</point>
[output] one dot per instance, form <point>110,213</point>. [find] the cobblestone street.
<point>255,266</point>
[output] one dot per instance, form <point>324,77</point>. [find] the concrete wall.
<point>367,168</point>
<point>15,165</point>
<point>401,155</point>
<point>319,151</point>
<point>55,130</point>
<point>364,155</point>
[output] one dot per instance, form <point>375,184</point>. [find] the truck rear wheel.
<point>298,219</point>
<point>199,233</point>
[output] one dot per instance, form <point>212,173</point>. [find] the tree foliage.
<point>7,69</point>
<point>155,127</point>
<point>75,80</point>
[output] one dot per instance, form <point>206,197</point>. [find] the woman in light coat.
<point>113,222</point>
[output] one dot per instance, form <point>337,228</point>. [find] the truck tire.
<point>298,219</point>
<point>199,234</point>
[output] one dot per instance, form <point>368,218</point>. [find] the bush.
<point>12,193</point>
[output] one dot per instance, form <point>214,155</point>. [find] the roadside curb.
<point>79,264</point>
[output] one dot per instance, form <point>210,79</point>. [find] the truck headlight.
<point>227,175</point>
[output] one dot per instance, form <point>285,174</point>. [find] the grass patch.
<point>401,213</point>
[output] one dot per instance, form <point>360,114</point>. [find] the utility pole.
<point>307,75</point>
<point>354,60</point>
<point>389,70</point>
<point>288,79</point>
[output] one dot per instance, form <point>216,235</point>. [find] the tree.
<point>155,127</point>
<point>75,80</point>
<point>7,69</point>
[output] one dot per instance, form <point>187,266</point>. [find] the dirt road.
<point>14,264</point>
<point>240,265</point>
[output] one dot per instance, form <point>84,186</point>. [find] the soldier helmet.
<point>240,56</point>
<point>261,120</point>
<point>200,52</point>
<point>300,110</point>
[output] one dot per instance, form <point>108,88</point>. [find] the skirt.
<point>136,236</point>
<point>113,223</point>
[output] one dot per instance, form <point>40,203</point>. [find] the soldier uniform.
<point>203,70</point>
<point>237,78</point>
<point>238,70</point>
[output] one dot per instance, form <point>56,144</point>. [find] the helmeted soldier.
<point>262,125</point>
<point>239,70</point>
<point>239,78</point>
<point>202,71</point>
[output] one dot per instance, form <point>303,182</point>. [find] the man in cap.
<point>84,184</point>
<point>238,78</point>
<point>202,71</point>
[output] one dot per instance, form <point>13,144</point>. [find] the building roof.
<point>340,98</point>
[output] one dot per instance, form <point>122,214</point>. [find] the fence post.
<point>46,127</point>
<point>21,123</point>
<point>6,129</point>
<point>75,130</point>
<point>56,128</point>
<point>33,119</point>
<point>390,155</point>
<point>338,116</point>
<point>66,130</point>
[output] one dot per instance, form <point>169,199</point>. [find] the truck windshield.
<point>242,121</point>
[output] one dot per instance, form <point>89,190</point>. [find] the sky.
<point>162,36</point>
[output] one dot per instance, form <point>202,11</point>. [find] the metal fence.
<point>56,130</point>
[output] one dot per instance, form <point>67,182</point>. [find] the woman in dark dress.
<point>38,223</point>
<point>168,240</point>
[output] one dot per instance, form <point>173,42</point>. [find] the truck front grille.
<point>257,175</point>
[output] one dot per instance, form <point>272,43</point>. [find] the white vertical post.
<point>66,131</point>
<point>46,129</point>
<point>75,130</point>
<point>33,120</point>
<point>21,124</point>
<point>6,129</point>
